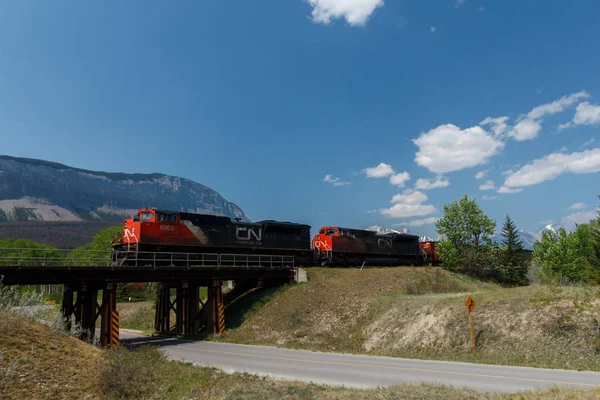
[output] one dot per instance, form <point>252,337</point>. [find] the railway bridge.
<point>90,284</point>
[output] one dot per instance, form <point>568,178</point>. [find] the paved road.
<point>362,371</point>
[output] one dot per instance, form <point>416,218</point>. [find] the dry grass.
<point>138,315</point>
<point>420,313</point>
<point>37,362</point>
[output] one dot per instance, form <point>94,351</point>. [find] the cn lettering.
<point>246,234</point>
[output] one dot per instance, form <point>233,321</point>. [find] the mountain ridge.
<point>33,189</point>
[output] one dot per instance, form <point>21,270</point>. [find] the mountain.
<point>38,190</point>
<point>527,238</point>
<point>381,230</point>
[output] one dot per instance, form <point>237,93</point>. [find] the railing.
<point>53,257</point>
<point>85,258</point>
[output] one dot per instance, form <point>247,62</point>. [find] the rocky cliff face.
<point>41,190</point>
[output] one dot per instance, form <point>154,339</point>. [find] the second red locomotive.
<point>342,246</point>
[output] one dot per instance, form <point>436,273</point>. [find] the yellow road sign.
<point>470,303</point>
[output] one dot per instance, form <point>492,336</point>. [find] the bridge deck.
<point>50,266</point>
<point>33,275</point>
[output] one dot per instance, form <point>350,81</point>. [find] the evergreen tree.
<point>514,265</point>
<point>596,242</point>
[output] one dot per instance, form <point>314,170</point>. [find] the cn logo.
<point>384,243</point>
<point>130,235</point>
<point>246,234</point>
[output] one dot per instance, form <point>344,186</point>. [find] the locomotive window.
<point>331,232</point>
<point>146,216</point>
<point>322,232</point>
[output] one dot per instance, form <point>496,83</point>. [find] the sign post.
<point>470,303</point>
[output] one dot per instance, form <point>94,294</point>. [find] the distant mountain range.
<point>38,190</point>
<point>528,238</point>
<point>381,230</point>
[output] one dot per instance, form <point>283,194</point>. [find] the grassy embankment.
<point>39,363</point>
<point>420,313</point>
<point>415,313</point>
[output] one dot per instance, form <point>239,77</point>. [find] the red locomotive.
<point>342,246</point>
<point>430,252</point>
<point>158,231</point>
<point>163,236</point>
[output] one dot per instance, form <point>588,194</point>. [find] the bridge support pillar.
<point>216,308</point>
<point>162,318</point>
<point>86,311</point>
<point>67,308</point>
<point>186,308</point>
<point>109,330</point>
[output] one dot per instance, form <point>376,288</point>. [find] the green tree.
<point>513,265</point>
<point>29,252</point>
<point>98,251</point>
<point>568,256</point>
<point>596,241</point>
<point>448,254</point>
<point>468,229</point>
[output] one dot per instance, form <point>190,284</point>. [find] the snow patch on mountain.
<point>380,230</point>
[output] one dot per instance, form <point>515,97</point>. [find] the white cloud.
<point>432,29</point>
<point>447,148</point>
<point>557,106</point>
<point>481,174</point>
<point>553,165</point>
<point>525,129</point>
<point>426,184</point>
<point>499,125</point>
<point>486,197</point>
<point>582,217</point>
<point>508,190</point>
<point>410,197</point>
<point>400,178</point>
<point>335,181</point>
<point>400,210</point>
<point>356,12</point>
<point>576,206</point>
<point>409,204</point>
<point>459,3</point>
<point>481,9</point>
<point>562,127</point>
<point>587,114</point>
<point>421,222</point>
<point>528,126</point>
<point>488,185</point>
<point>380,171</point>
<point>563,149</point>
<point>588,142</point>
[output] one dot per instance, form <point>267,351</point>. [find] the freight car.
<point>337,246</point>
<point>154,233</point>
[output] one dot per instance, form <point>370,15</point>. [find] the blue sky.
<point>300,110</point>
